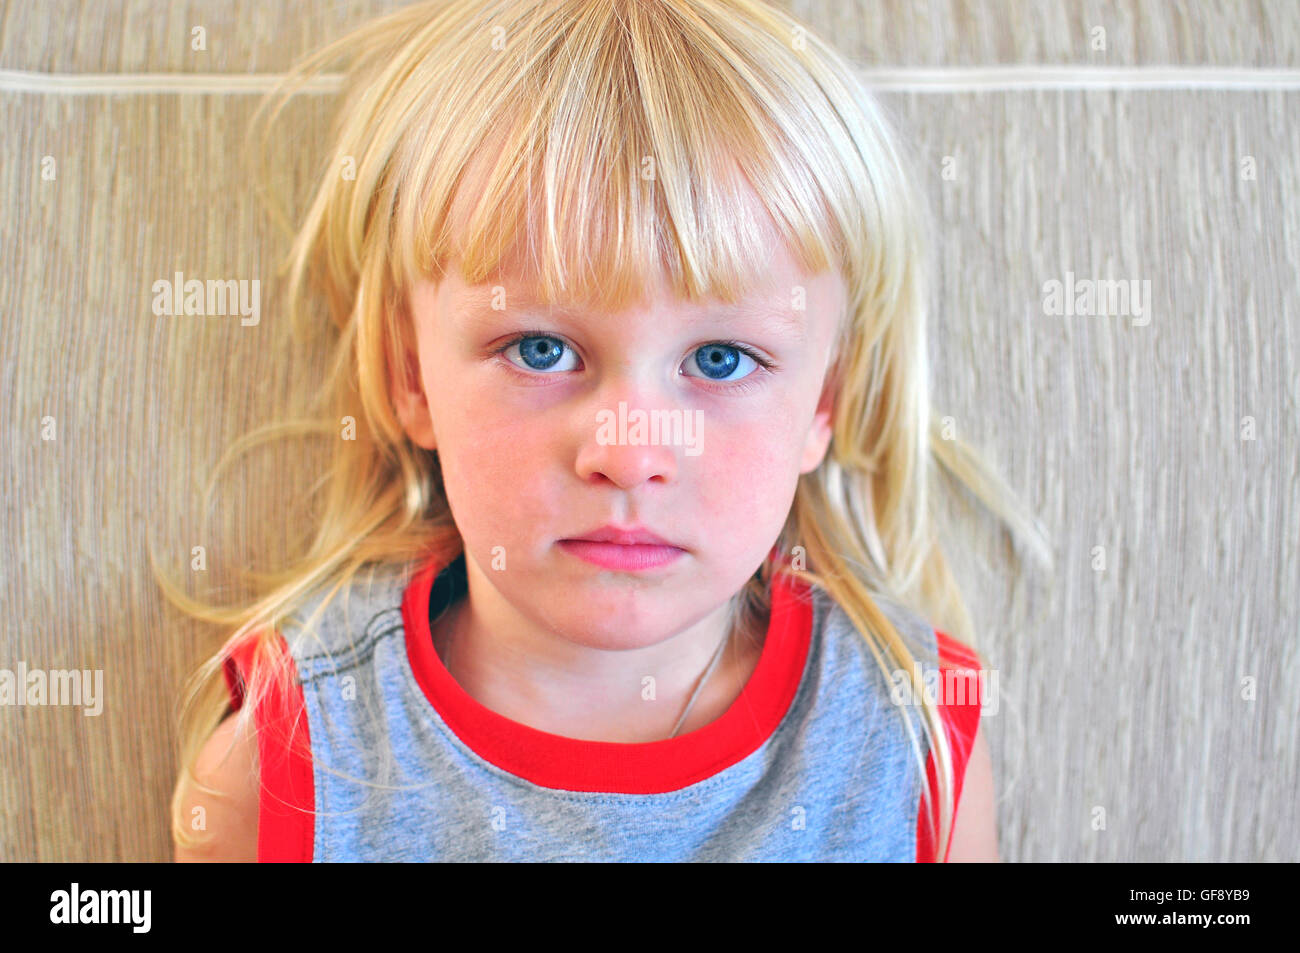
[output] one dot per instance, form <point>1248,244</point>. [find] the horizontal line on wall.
<point>909,79</point>
<point>979,78</point>
<point>91,84</point>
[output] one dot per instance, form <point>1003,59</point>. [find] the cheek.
<point>491,458</point>
<point>747,477</point>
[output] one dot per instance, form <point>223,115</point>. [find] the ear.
<point>409,403</point>
<point>819,432</point>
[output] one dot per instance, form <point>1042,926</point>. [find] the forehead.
<point>749,315</point>
<point>787,312</point>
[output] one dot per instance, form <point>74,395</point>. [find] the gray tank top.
<point>810,763</point>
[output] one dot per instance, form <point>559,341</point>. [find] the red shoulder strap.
<point>959,711</point>
<point>286,807</point>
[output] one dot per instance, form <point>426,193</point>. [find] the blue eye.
<point>719,360</point>
<point>539,352</point>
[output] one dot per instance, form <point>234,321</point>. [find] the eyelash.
<point>740,386</point>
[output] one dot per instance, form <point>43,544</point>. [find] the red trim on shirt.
<point>570,764</point>
<point>960,722</point>
<point>287,800</point>
<point>286,804</point>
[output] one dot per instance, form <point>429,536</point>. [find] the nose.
<point>621,444</point>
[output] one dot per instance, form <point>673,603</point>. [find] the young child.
<point>626,552</point>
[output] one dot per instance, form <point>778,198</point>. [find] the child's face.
<point>527,464</point>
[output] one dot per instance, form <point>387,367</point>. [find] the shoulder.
<point>974,831</point>
<point>227,815</point>
<point>961,697</point>
<point>335,618</point>
<point>271,731</point>
<point>952,672</point>
<point>841,635</point>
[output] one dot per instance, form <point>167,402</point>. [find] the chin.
<point>618,625</point>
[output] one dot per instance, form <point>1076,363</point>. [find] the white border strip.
<point>945,80</point>
<point>978,78</point>
<point>90,84</point>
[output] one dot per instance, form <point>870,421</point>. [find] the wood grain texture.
<point>1124,685</point>
<point>253,36</point>
<point>1121,688</point>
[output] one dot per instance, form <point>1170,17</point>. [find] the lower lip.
<point>619,556</point>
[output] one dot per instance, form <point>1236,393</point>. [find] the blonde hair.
<point>577,93</point>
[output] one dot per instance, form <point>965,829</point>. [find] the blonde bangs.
<point>588,153</point>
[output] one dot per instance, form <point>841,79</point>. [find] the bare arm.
<point>230,819</point>
<point>975,830</point>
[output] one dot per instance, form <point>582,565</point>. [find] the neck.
<point>592,694</point>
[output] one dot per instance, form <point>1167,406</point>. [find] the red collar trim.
<point>570,764</point>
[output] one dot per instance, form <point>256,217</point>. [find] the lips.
<point>630,536</point>
<point>624,549</point>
